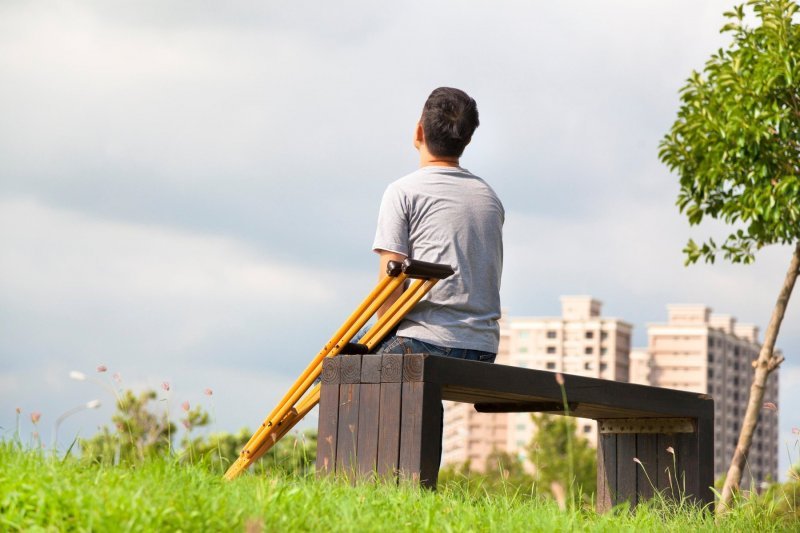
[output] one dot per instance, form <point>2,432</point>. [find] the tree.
<point>141,432</point>
<point>736,147</point>
<point>555,459</point>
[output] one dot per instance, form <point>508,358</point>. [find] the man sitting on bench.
<point>442,213</point>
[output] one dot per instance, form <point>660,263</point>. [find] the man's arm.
<point>384,258</point>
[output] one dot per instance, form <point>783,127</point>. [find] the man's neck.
<point>426,159</point>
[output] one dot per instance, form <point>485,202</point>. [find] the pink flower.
<point>187,424</point>
<point>771,406</point>
<point>637,461</point>
<point>165,386</point>
<point>116,377</point>
<point>560,379</point>
<point>185,406</point>
<point>796,431</point>
<point>671,450</point>
<point>102,368</point>
<point>19,410</point>
<point>208,392</point>
<point>35,416</point>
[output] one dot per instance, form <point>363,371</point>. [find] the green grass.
<point>39,492</point>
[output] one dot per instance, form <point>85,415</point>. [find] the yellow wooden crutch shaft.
<point>313,371</point>
<point>389,315</point>
<point>292,418</point>
<point>302,408</point>
<point>386,323</point>
<point>328,346</point>
<point>356,321</point>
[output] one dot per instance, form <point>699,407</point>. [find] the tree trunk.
<point>764,365</point>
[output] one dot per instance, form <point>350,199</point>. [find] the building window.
<point>587,428</point>
<point>603,351</point>
<point>588,350</point>
<point>590,334</point>
<point>603,366</point>
<point>710,373</point>
<point>551,349</point>
<point>603,335</point>
<point>588,366</point>
<point>551,334</point>
<point>523,349</point>
<point>550,366</point>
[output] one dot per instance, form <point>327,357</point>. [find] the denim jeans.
<point>406,345</point>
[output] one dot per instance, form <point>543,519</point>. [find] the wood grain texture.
<point>389,429</point>
<point>330,370</point>
<point>420,437</point>
<point>391,368</point>
<point>347,432</point>
<point>371,368</point>
<point>646,472</point>
<point>350,371</point>
<point>368,427</point>
<point>413,367</point>
<point>626,468</point>
<point>327,427</point>
<point>606,471</point>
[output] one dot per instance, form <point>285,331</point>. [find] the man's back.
<point>445,214</point>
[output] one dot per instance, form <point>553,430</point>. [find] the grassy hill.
<point>41,492</point>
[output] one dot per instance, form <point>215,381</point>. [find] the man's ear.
<point>419,136</point>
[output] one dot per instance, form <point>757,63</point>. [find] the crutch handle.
<point>394,268</point>
<point>424,270</point>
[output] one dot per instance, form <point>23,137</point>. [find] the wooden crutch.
<point>292,408</point>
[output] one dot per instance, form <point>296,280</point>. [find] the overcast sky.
<point>188,191</point>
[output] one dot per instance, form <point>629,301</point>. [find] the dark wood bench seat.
<point>382,414</point>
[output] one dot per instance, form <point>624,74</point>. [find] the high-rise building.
<point>580,341</point>
<point>712,354</point>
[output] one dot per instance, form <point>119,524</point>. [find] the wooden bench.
<point>382,414</point>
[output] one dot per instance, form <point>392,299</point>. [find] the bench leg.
<point>420,433</point>
<point>634,461</point>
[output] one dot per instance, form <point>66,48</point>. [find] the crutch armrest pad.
<point>423,270</point>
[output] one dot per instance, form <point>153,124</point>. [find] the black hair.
<point>449,117</point>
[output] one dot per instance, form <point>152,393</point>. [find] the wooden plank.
<point>347,437</point>
<point>368,427</point>
<point>647,471</point>
<point>687,455</point>
<point>328,417</point>
<point>606,471</point>
<point>626,469</point>
<point>350,370</point>
<point>705,434</point>
<point>371,368</point>
<point>391,394</point>
<point>420,432</point>
<point>638,400</point>
<point>391,368</point>
<point>414,367</point>
<point>389,429</point>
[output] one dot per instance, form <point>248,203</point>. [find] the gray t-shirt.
<point>448,215</point>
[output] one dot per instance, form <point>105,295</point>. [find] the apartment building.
<point>580,341</point>
<point>713,354</point>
